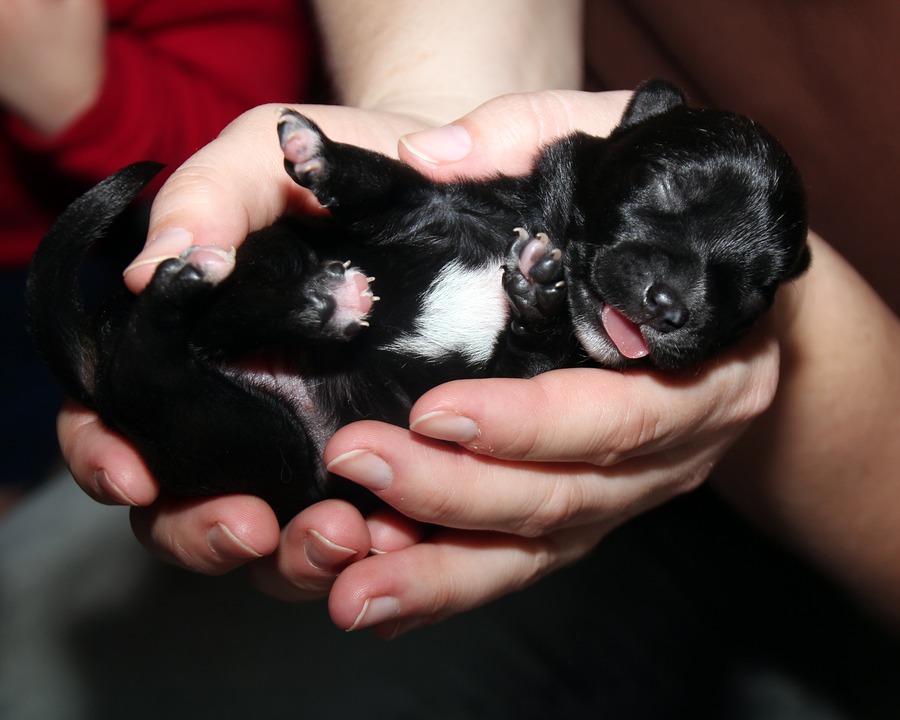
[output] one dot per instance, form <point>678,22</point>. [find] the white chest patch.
<point>463,311</point>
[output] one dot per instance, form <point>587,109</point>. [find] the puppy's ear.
<point>652,97</point>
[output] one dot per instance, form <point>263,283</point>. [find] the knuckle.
<point>541,558</point>
<point>557,507</point>
<point>441,505</point>
<point>629,426</point>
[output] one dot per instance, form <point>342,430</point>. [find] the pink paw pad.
<point>535,250</point>
<point>353,299</point>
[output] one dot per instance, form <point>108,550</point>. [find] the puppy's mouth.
<point>624,334</point>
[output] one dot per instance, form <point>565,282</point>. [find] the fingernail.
<point>376,611</point>
<point>170,243</point>
<point>445,425</point>
<point>363,467</point>
<point>446,144</point>
<point>226,544</point>
<point>105,483</point>
<point>323,554</point>
<point>215,262</point>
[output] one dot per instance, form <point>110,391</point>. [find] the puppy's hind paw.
<point>303,148</point>
<point>340,300</point>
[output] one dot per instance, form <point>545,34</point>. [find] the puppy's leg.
<point>201,426</point>
<point>354,183</point>
<point>282,293</point>
<point>534,281</point>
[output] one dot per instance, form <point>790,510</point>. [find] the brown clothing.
<point>822,76</point>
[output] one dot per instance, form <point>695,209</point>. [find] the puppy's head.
<point>696,218</point>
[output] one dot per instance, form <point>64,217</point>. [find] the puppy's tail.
<point>60,326</point>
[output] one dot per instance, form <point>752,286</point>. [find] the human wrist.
<point>438,61</point>
<point>434,109</point>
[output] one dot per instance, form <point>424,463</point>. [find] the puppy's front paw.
<point>534,278</point>
<point>303,147</point>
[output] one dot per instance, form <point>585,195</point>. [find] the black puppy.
<point>662,243</point>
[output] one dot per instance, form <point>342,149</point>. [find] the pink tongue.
<point>625,334</point>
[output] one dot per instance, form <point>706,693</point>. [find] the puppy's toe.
<point>301,143</point>
<point>536,258</point>
<point>215,263</point>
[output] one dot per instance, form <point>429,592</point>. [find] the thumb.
<point>230,187</point>
<point>505,133</point>
<point>237,183</point>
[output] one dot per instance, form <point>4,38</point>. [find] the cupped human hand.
<point>523,476</point>
<point>234,185</point>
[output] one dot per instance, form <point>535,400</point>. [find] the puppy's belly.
<point>463,312</point>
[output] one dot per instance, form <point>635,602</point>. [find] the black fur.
<point>684,220</point>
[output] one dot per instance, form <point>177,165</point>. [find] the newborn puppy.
<point>660,244</point>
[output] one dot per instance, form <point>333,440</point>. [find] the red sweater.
<point>177,72</point>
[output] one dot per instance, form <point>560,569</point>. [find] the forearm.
<point>51,60</point>
<point>820,469</point>
<point>439,60</point>
<point>149,71</point>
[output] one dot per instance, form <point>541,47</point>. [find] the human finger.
<point>103,463</point>
<point>323,540</point>
<point>598,416</point>
<point>390,531</point>
<point>315,546</point>
<point>450,572</point>
<point>443,484</point>
<point>208,535</point>
<point>505,133</point>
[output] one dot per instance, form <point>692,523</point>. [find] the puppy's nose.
<point>663,309</point>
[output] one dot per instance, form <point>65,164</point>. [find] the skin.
<point>51,59</point>
<point>798,417</point>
